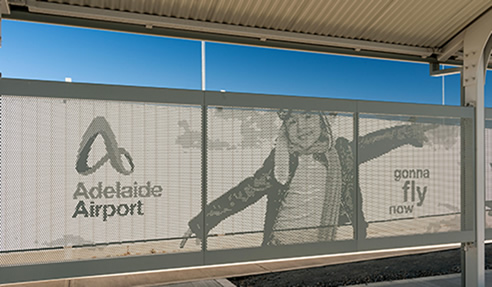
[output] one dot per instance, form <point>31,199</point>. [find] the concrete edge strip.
<point>225,282</point>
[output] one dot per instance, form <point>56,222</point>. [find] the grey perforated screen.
<point>275,177</point>
<point>84,179</point>
<point>416,187</point>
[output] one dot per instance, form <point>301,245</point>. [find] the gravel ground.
<point>395,268</point>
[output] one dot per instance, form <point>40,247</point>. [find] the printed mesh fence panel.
<point>85,179</point>
<point>275,177</point>
<point>99,179</point>
<point>410,174</point>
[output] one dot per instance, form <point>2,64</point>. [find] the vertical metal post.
<point>204,175</point>
<point>2,8</point>
<point>204,157</point>
<point>443,84</point>
<point>468,183</point>
<point>475,43</point>
<point>1,193</point>
<point>203,65</point>
<point>358,200</point>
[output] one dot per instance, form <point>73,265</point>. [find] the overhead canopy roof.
<point>417,30</point>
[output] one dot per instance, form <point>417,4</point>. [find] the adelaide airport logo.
<point>114,154</point>
<point>99,126</point>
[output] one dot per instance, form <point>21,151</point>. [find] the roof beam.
<point>265,35</point>
<point>451,47</point>
<point>478,34</point>
<point>456,43</point>
<point>436,71</point>
<point>4,7</point>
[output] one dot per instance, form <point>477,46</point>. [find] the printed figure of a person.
<point>309,181</point>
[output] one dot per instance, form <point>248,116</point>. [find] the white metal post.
<point>203,65</point>
<point>476,38</point>
<point>443,84</point>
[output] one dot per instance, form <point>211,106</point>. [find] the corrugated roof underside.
<point>420,23</point>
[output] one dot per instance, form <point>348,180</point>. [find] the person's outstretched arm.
<point>233,201</point>
<point>377,143</point>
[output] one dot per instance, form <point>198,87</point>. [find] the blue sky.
<point>48,52</point>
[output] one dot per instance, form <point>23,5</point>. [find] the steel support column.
<point>473,80</point>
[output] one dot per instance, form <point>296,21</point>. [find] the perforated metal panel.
<point>410,174</point>
<point>86,179</point>
<point>250,154</point>
<point>120,184</point>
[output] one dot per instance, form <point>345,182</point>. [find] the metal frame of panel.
<point>36,88</point>
<point>278,252</point>
<point>59,270</point>
<point>205,100</point>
